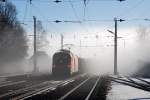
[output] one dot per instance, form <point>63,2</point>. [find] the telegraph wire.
<point>25,12</point>
<point>40,13</point>
<point>74,11</point>
<point>82,21</point>
<point>30,9</point>
<point>74,1</point>
<point>131,9</point>
<point>85,6</point>
<point>46,21</point>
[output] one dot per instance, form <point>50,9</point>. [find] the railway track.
<point>15,77</point>
<point>83,91</point>
<point>17,82</point>
<point>133,82</point>
<point>83,88</point>
<point>16,88</point>
<point>80,87</point>
<point>9,86</point>
<point>35,89</point>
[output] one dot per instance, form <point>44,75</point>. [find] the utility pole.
<point>115,48</point>
<point>35,50</point>
<point>115,44</point>
<point>62,40</point>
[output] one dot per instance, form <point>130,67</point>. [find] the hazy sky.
<point>102,10</point>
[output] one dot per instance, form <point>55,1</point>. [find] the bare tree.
<point>13,43</point>
<point>41,41</point>
<point>142,33</point>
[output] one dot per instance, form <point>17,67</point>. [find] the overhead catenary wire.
<point>40,13</point>
<point>25,12</point>
<point>74,1</point>
<point>74,11</point>
<point>85,15</point>
<point>131,9</point>
<point>82,21</point>
<point>85,6</point>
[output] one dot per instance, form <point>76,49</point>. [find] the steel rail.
<point>40,90</point>
<point>22,90</point>
<point>46,88</point>
<point>19,82</point>
<point>5,82</point>
<point>130,83</point>
<point>140,84</point>
<point>71,91</point>
<point>92,90</point>
<point>148,83</point>
<point>125,80</point>
<point>34,92</point>
<point>4,76</point>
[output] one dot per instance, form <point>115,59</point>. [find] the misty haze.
<point>74,49</point>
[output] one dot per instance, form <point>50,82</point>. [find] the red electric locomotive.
<point>65,63</point>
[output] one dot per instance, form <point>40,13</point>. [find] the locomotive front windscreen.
<point>61,59</point>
